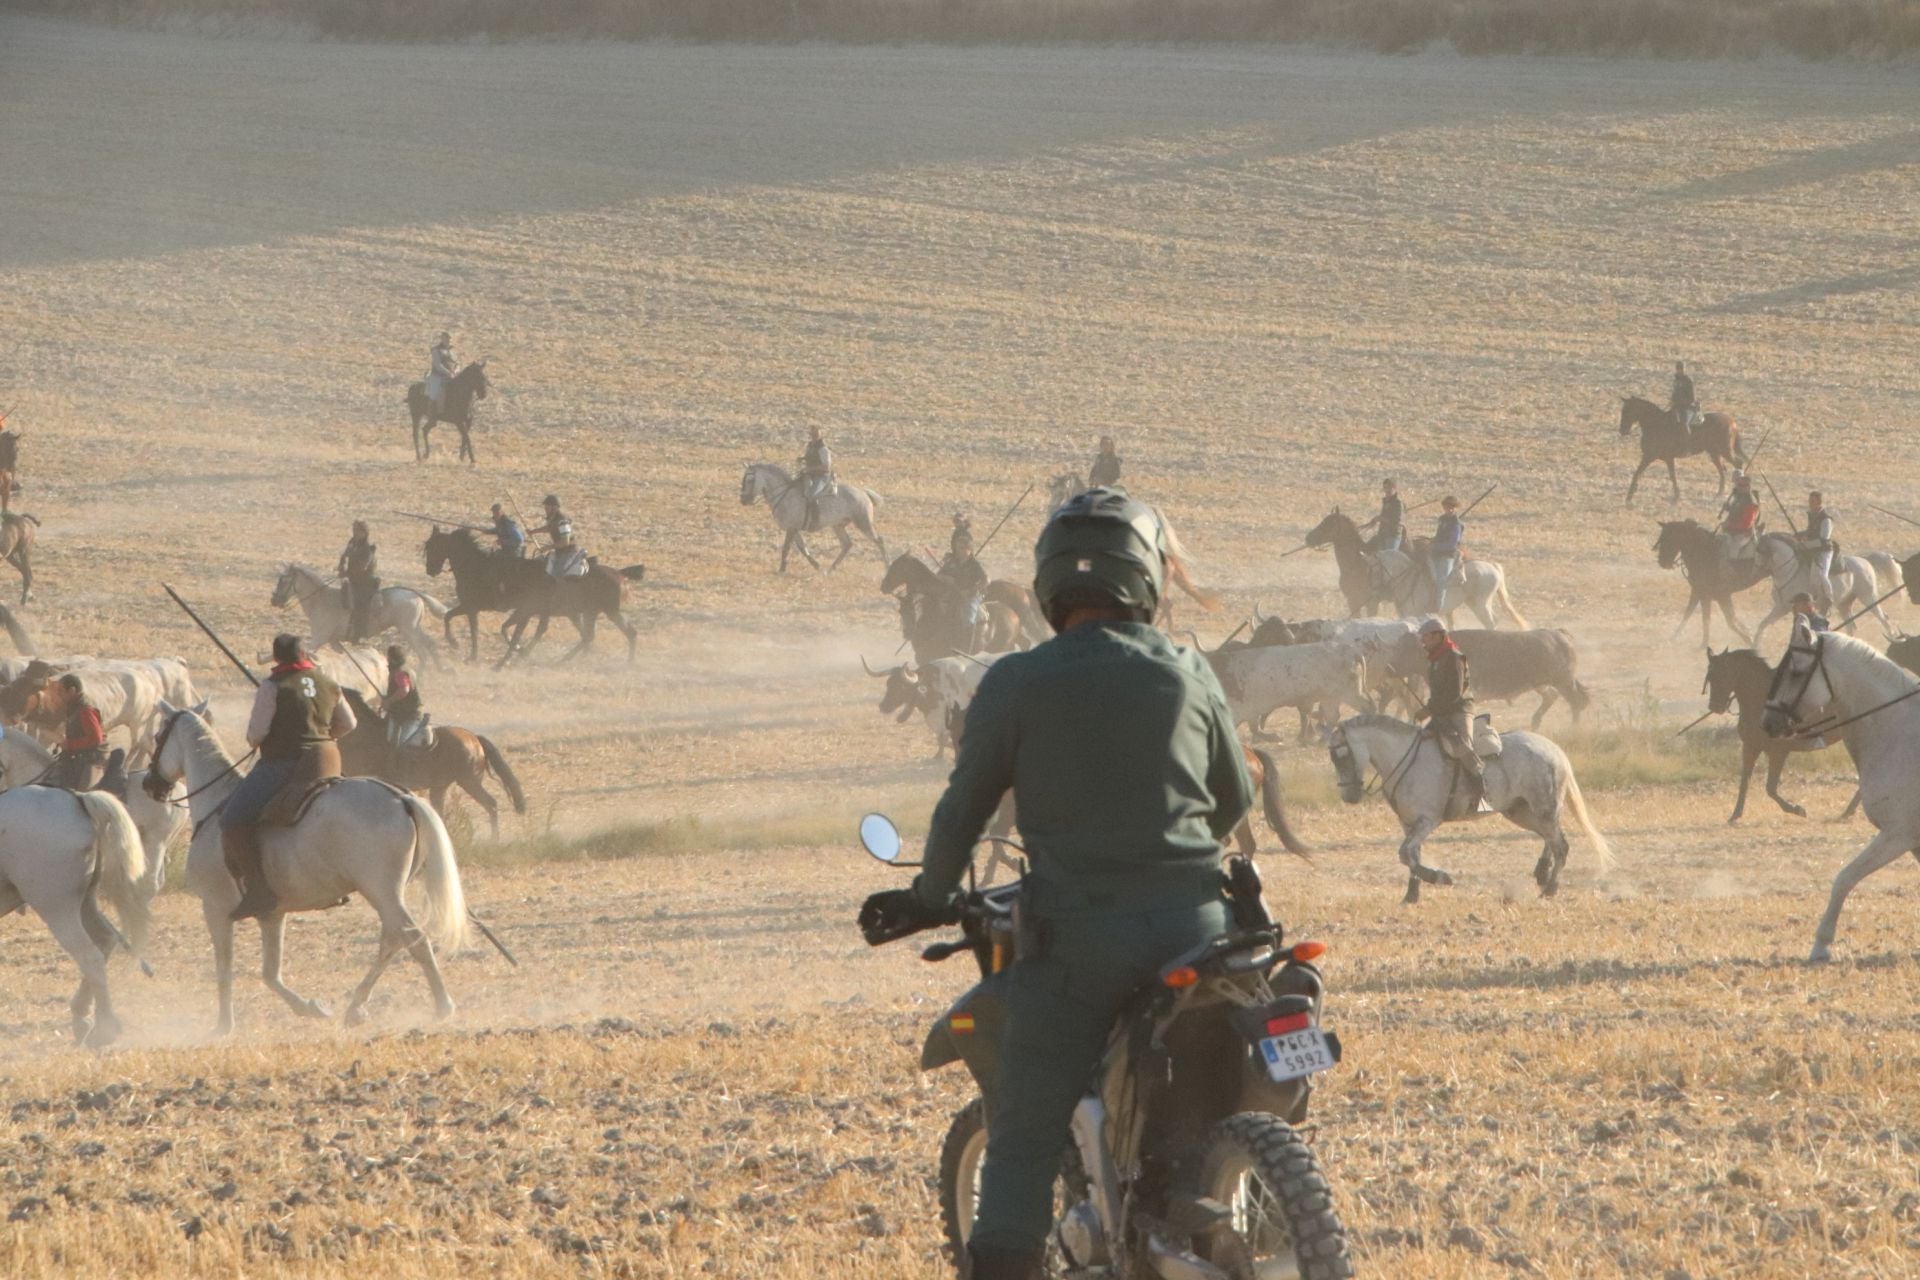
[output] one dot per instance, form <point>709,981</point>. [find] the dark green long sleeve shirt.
<point>1120,751</point>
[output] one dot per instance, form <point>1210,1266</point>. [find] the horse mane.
<point>1641,400</point>
<point>363,712</point>
<point>464,535</point>
<point>1374,720</point>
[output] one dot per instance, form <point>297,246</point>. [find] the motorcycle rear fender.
<point>971,1032</point>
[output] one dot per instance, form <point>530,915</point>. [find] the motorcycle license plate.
<point>1296,1054</point>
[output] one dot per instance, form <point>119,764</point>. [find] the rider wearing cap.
<point>1802,607</point>
<point>359,570</point>
<point>1120,752</point>
<point>401,704</point>
<point>1682,401</point>
<point>1443,553</point>
<point>441,367</point>
<point>1817,539</point>
<point>297,714</point>
<point>1449,696</point>
<point>510,540</point>
<point>1390,525</point>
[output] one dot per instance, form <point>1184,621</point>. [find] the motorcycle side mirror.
<point>881,838</point>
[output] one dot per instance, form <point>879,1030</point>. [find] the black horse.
<point>1663,438</point>
<point>485,582</point>
<point>464,389</point>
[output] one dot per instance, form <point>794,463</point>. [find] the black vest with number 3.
<point>303,706</point>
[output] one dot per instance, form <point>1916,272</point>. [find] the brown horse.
<point>16,547</point>
<point>1711,578</point>
<point>1664,437</point>
<point>1743,677</point>
<point>458,758</point>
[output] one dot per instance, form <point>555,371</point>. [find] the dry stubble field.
<point>1275,277</point>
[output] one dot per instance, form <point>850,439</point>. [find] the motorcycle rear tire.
<point>1253,1146</point>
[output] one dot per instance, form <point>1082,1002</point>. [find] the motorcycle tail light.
<point>1182,978</point>
<point>1307,951</point>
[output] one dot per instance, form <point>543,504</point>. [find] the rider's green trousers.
<point>1060,1010</point>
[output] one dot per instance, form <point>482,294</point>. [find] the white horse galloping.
<point>58,851</point>
<point>360,836</point>
<point>1853,584</point>
<point>841,505</point>
<point>402,609</point>
<point>1409,585</point>
<point>1828,675</point>
<point>1527,783</point>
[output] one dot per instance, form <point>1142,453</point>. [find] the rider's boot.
<point>241,845</point>
<point>1004,1264</point>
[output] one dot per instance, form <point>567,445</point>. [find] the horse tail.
<point>1576,804</point>
<point>17,631</point>
<point>445,920</point>
<point>433,606</point>
<point>1579,698</point>
<point>503,771</point>
<point>1275,808</point>
<point>1500,590</point>
<point>634,572</point>
<point>120,863</point>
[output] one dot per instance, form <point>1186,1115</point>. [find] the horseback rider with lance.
<point>1803,607</point>
<point>565,559</point>
<point>9,460</point>
<point>963,570</point>
<point>1119,749</point>
<point>1105,471</point>
<point>816,474</point>
<point>1817,540</point>
<point>1449,697</point>
<point>510,540</point>
<point>83,752</point>
<point>1443,553</point>
<point>1681,401</point>
<point>1391,521</point>
<point>297,715</point>
<point>406,719</point>
<point>358,569</point>
<point>1740,518</point>
<point>441,367</point>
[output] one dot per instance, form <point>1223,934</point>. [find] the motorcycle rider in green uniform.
<point>1121,754</point>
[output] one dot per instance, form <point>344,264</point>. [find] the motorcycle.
<point>1185,1162</point>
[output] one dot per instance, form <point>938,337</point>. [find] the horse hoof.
<point>1443,879</point>
<point>104,1033</point>
<point>1550,889</point>
<point>356,1016</point>
<point>1798,811</point>
<point>444,1012</point>
<point>314,1009</point>
<point>1820,955</point>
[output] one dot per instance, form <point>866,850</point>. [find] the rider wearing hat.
<point>1449,696</point>
<point>297,714</point>
<point>1120,752</point>
<point>441,367</point>
<point>563,557</point>
<point>963,569</point>
<point>83,751</point>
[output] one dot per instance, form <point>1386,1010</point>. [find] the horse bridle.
<point>1384,781</point>
<point>1818,666</point>
<point>154,774</point>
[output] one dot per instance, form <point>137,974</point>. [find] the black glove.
<point>896,913</point>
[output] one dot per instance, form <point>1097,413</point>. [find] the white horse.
<point>360,836</point>
<point>58,851</point>
<point>1527,783</point>
<point>24,762</point>
<point>401,608</point>
<point>1853,585</point>
<point>841,505</point>
<point>1408,584</point>
<point>1828,676</point>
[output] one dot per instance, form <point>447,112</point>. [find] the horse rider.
<point>1817,541</point>
<point>816,474</point>
<point>1803,607</point>
<point>83,751</point>
<point>1443,553</point>
<point>510,540</point>
<point>1105,471</point>
<point>441,367</point>
<point>298,714</point>
<point>565,558</point>
<point>1740,518</point>
<point>1119,749</point>
<point>1391,522</point>
<point>9,460</point>
<point>407,725</point>
<point>1681,401</point>
<point>358,569</point>
<point>964,570</point>
<point>1450,698</point>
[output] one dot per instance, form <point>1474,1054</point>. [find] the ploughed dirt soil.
<point>1276,278</point>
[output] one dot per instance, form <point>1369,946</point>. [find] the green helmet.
<point>1104,542</point>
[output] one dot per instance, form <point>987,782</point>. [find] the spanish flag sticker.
<point>961,1024</point>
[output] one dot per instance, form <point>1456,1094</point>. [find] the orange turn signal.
<point>1182,978</point>
<point>1306,951</point>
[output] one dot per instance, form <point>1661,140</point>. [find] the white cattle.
<point>1320,677</point>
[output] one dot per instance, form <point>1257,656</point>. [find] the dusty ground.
<point>1275,277</point>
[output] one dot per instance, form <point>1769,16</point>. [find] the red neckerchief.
<point>305,664</point>
<point>1446,642</point>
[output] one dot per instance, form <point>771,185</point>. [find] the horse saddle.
<point>318,770</point>
<point>1486,738</point>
